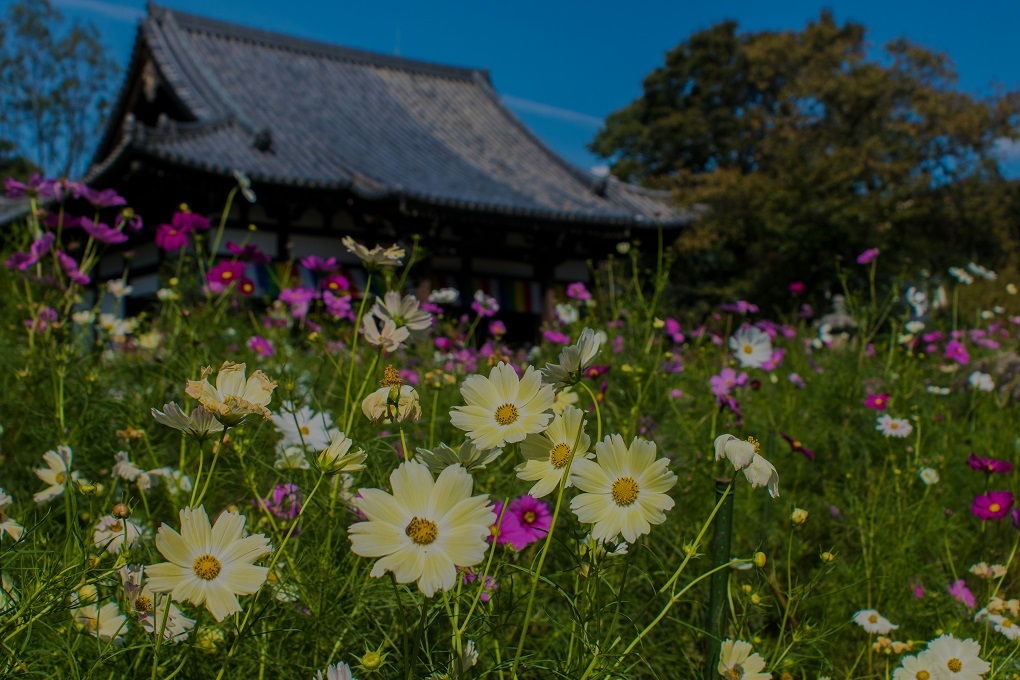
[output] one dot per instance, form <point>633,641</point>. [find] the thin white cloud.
<point>1008,150</point>
<point>110,10</point>
<point>548,111</point>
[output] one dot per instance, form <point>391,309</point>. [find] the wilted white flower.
<point>403,311</point>
<point>84,317</point>
<point>745,458</point>
<point>389,337</point>
<point>233,398</point>
<point>167,294</point>
<point>393,402</point>
<point>111,533</point>
<point>199,425</point>
<point>978,270</point>
<point>987,571</point>
<point>291,458</point>
<point>376,257</point>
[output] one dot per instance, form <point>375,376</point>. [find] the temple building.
<point>338,142</point>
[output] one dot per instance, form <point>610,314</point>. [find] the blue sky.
<point>563,66</point>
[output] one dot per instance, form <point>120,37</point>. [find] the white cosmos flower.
<point>403,311</point>
<point>547,454</point>
<point>444,296</point>
<point>981,381</point>
<point>200,425</point>
<point>873,622</point>
<point>914,327</point>
<point>337,457</point>
<point>111,533</point>
<point>574,359</point>
<point>566,313</point>
<point>983,272</point>
<point>425,529</point>
<point>468,456</point>
<point>150,607</point>
<point>564,398</point>
<point>233,398</point>
<point>752,346</point>
<point>376,257</point>
<point>915,668</point>
<point>961,276</point>
<point>291,458</point>
<point>624,489</point>
<point>56,474</point>
<point>745,458</point>
<point>128,471</point>
<point>389,337</point>
<point>303,426</point>
<point>737,661</point>
<point>105,622</point>
<point>209,565</point>
<point>7,525</point>
<point>918,301</point>
<point>338,671</point>
<point>935,389</point>
<point>894,427</point>
<point>1002,625</point>
<point>503,408</point>
<point>929,476</point>
<point>955,659</point>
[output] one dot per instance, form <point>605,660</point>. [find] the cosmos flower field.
<point>330,478</point>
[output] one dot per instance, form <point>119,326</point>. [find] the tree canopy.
<point>804,146</point>
<point>56,82</point>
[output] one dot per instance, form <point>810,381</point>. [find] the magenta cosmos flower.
<point>224,274</point>
<point>878,402</point>
<point>797,447</point>
<point>867,256</point>
<point>989,466</point>
<point>578,291</point>
<point>992,505</point>
<point>727,379</point>
<point>526,520</point>
<point>170,238</point>
<point>957,352</point>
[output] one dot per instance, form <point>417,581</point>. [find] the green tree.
<point>55,81</point>
<point>803,148</point>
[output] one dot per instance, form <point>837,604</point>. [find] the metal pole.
<point>716,624</point>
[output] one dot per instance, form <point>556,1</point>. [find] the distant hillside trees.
<point>804,146</point>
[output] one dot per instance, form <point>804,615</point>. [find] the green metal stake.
<point>720,580</point>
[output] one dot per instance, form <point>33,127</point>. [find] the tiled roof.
<point>295,112</point>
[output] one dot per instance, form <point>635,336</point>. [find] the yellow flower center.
<point>625,491</point>
<point>507,414</point>
<point>61,478</point>
<point>304,430</point>
<point>735,673</point>
<point>755,443</point>
<point>143,603</point>
<point>530,517</point>
<point>116,527</point>
<point>391,377</point>
<point>922,675</point>
<point>559,455</point>
<point>873,618</point>
<point>796,444</point>
<point>207,567</point>
<point>1006,623</point>
<point>893,425</point>
<point>228,275</point>
<point>748,349</point>
<point>954,665</point>
<point>994,507</point>
<point>422,531</point>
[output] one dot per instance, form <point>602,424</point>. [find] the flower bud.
<point>121,511</point>
<point>759,559</point>
<point>799,516</point>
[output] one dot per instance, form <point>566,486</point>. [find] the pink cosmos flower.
<point>285,501</point>
<point>246,286</point>
<point>959,590</point>
<point>526,520</point>
<point>224,274</point>
<point>675,394</point>
<point>249,253</point>
<point>773,362</point>
<point>673,330</point>
<point>170,238</point>
<point>470,576</point>
<point>335,283</point>
<point>578,291</point>
<point>497,329</point>
<point>867,256</point>
<point>70,267</point>
<point>797,288</point>
<point>797,381</point>
<point>317,264</point>
<point>261,346</point>
<point>484,305</point>
<point>955,351</point>
<point>992,505</point>
<point>989,466</point>
<point>877,402</point>
<point>596,371</point>
<point>337,306</point>
<point>726,381</point>
<point>740,307</point>
<point>917,588</point>
<point>36,251</point>
<point>556,337</point>
<point>299,299</point>
<point>107,198</point>
<point>189,221</point>
<point>617,344</point>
